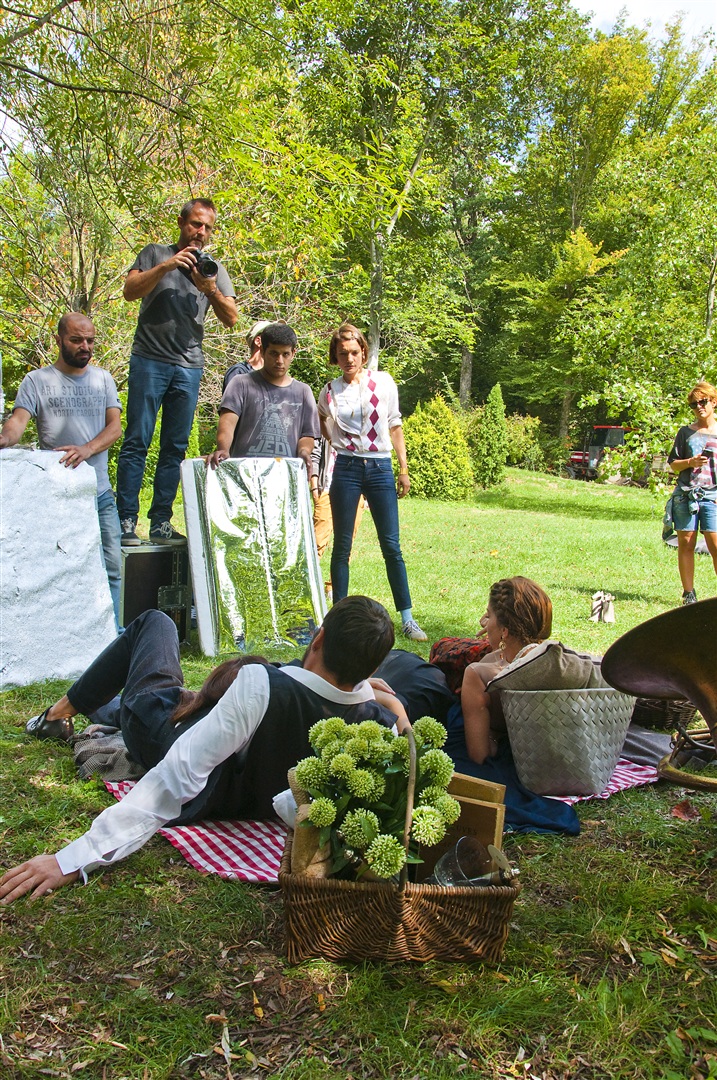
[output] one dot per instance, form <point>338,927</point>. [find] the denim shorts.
<point>690,510</point>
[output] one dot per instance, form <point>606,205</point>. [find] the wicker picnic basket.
<point>665,714</point>
<point>566,742</point>
<point>380,920</point>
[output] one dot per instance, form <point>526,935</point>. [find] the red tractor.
<point>583,464</point>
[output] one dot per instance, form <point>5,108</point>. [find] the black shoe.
<point>42,728</point>
<point>129,536</point>
<point>689,597</point>
<point>163,533</point>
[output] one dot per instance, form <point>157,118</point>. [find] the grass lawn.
<point>153,971</point>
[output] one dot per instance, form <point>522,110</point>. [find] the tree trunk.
<point>375,300</point>
<point>379,240</point>
<point>709,316</point>
<point>464,392</point>
<point>568,399</point>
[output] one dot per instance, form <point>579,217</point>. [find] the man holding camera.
<point>177,284</point>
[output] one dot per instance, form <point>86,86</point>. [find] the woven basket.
<point>566,742</point>
<point>658,713</point>
<point>351,920</point>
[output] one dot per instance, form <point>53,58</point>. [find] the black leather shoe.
<point>42,728</point>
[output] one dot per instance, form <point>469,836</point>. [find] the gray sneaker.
<point>413,632</point>
<point>689,597</point>
<point>163,533</point>
<point>129,536</point>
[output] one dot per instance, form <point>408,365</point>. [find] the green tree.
<point>488,439</point>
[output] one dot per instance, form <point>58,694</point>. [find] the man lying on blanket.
<point>225,756</point>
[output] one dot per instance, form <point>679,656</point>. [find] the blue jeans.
<point>111,546</point>
<point>373,478</point>
<point>153,383</point>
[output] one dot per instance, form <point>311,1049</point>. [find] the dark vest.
<point>244,785</point>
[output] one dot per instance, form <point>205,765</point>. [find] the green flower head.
<point>380,752</point>
<point>311,772</point>
<point>360,828</point>
<point>401,753</point>
<point>429,795</point>
<point>437,767</point>
<point>449,808</point>
<point>361,783</point>
<point>385,856</point>
<point>322,812</point>
<point>358,748</point>
<point>428,732</point>
<point>342,765</point>
<point>324,731</point>
<point>331,749</point>
<point>371,730</point>
<point>428,826</point>
<point>379,786</point>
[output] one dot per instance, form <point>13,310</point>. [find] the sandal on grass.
<point>42,728</point>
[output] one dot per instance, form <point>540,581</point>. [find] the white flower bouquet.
<point>357,784</point>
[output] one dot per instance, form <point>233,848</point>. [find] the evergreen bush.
<point>487,438</point>
<point>438,456</point>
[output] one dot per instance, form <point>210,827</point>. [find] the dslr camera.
<point>205,264</point>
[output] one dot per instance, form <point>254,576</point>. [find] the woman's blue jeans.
<point>373,478</point>
<point>152,384</point>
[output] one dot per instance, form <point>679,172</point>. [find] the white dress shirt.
<point>162,792</point>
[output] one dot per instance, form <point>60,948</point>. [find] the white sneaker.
<point>412,630</point>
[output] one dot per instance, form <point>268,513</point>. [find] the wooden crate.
<point>482,816</point>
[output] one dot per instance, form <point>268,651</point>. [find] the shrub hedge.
<point>439,461</point>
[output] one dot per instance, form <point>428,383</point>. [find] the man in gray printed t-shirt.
<point>177,288</point>
<point>77,411</point>
<point>267,413</point>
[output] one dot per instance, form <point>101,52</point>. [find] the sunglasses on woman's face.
<point>701,404</point>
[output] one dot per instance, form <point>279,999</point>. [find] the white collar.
<point>327,690</point>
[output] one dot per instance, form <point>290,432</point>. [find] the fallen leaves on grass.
<point>685,811</point>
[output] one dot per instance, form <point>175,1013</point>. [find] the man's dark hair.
<point>186,210</point>
<point>278,334</point>
<point>358,635</point>
<point>62,325</point>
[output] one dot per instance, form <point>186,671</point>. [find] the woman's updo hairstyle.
<point>523,608</point>
<point>347,330</point>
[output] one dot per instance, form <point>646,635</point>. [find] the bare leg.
<point>711,541</point>
<point>686,542</point>
<point>62,709</point>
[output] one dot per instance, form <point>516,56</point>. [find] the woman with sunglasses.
<point>694,458</point>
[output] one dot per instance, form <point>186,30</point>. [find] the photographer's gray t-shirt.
<point>272,419</point>
<point>170,326</point>
<point>70,410</point>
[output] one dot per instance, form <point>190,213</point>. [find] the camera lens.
<point>206,266</point>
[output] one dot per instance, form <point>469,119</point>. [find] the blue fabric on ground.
<point>524,810</point>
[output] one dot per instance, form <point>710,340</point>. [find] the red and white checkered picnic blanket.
<point>627,774</point>
<point>240,850</point>
<point>251,850</point>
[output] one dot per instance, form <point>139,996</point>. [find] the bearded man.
<point>77,412</point>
